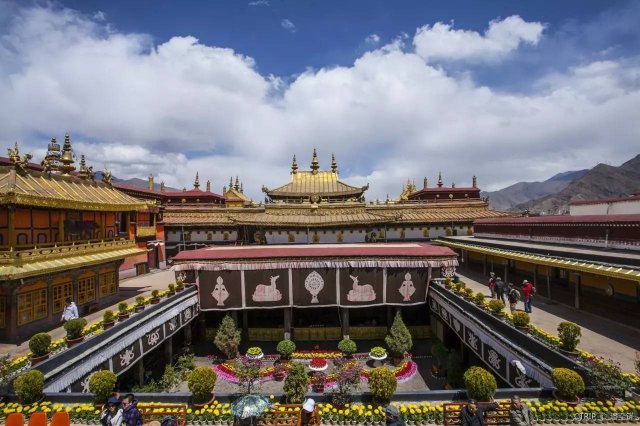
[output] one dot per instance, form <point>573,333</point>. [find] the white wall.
<point>200,235</point>
<point>620,207</point>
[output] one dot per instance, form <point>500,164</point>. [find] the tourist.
<point>392,416</point>
<point>500,288</point>
<point>492,284</point>
<point>308,415</point>
<point>70,310</point>
<point>131,414</point>
<point>112,413</point>
<point>519,413</point>
<point>513,296</point>
<point>528,290</point>
<point>472,414</point>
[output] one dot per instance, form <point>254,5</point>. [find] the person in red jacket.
<point>492,284</point>
<point>528,290</point>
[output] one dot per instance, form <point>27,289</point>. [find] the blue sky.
<point>506,90</point>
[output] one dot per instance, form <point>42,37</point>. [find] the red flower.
<point>318,363</point>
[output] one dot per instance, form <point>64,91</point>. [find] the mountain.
<point>602,181</point>
<point>522,192</point>
<point>142,183</point>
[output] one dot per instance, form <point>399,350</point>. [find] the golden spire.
<point>83,172</point>
<point>425,184</point>
<point>52,159</point>
<point>314,162</point>
<point>413,185</point>
<point>474,182</point>
<point>67,157</point>
<point>334,164</point>
<point>230,183</point>
<point>224,190</point>
<point>237,185</point>
<point>151,184</point>
<point>196,183</point>
<point>453,184</point>
<point>208,185</point>
<point>162,186</point>
<point>439,179</point>
<point>294,165</point>
<point>241,188</point>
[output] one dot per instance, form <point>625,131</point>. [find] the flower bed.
<point>318,364</point>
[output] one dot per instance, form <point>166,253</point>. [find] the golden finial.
<point>196,183</point>
<point>241,188</point>
<point>151,185</point>
<point>314,162</point>
<point>237,185</point>
<point>162,186</point>
<point>14,156</point>
<point>83,172</point>
<point>208,185</point>
<point>106,176</point>
<point>67,157</point>
<point>51,160</point>
<point>224,190</point>
<point>474,182</point>
<point>334,164</point>
<point>453,184</point>
<point>425,184</point>
<point>413,185</point>
<point>439,179</point>
<point>294,165</point>
<point>230,183</point>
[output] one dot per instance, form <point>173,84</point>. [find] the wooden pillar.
<point>288,314</point>
<point>61,216</point>
<point>140,367</point>
<point>188,338</point>
<point>245,324</point>
<point>578,288</point>
<point>506,271</point>
<point>168,350</point>
<point>12,226</point>
<point>344,314</point>
<point>548,282</point>
<point>103,225</point>
<point>484,266</point>
<point>535,275</point>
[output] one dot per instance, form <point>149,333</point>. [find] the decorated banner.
<point>361,287</point>
<point>153,338</point>
<point>267,288</point>
<point>314,287</point>
<point>220,290</point>
<point>124,359</point>
<point>406,286</point>
<point>496,360</point>
<point>82,385</point>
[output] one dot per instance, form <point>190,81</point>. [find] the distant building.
<point>606,206</point>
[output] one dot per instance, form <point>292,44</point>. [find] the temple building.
<point>63,234</point>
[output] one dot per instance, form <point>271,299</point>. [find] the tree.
<point>248,373</point>
<point>347,380</point>
<point>296,383</point>
<point>228,337</point>
<point>399,339</point>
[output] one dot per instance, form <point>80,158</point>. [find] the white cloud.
<point>442,42</point>
<point>372,39</point>
<point>259,3</point>
<point>288,25</point>
<point>182,107</point>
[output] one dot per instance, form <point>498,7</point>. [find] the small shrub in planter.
<point>468,293</point>
<point>280,372</point>
<point>201,382</point>
<point>74,329</point>
<point>296,384</point>
<point>179,286</point>
<point>399,339</point>
<point>569,334</point>
<point>102,384</point>
<point>496,307</point>
<point>568,383</point>
<point>378,352</point>
<point>383,384</point>
<point>254,352</point>
<point>108,319</point>
<point>521,319</point>
<point>347,347</point>
<point>448,282</point>
<point>139,304</point>
<point>480,383</point>
<point>155,297</point>
<point>228,337</point>
<point>28,386</point>
<point>172,288</point>
<point>319,380</point>
<point>40,345</point>
<point>122,310</point>
<point>479,298</point>
<point>286,348</point>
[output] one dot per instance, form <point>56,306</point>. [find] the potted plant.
<point>5,372</point>
<point>497,307</point>
<point>378,353</point>
<point>286,348</point>
<point>228,337</point>
<point>296,384</point>
<point>74,329</point>
<point>439,352</point>
<point>40,347</point>
<point>383,384</point>
<point>398,340</point>
<point>29,386</point>
<point>569,334</point>
<point>521,320</point>
<point>568,384</point>
<point>179,285</point>
<point>123,311</point>
<point>139,306</point>
<point>347,347</point>
<point>319,380</point>
<point>479,299</point>
<point>480,384</point>
<point>448,283</point>
<point>255,352</point>
<point>108,320</point>
<point>201,382</point>
<point>155,297</point>
<point>280,372</point>
<point>102,384</point>
<point>468,293</point>
<point>172,289</point>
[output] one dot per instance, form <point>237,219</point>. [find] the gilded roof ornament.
<point>294,165</point>
<point>196,183</point>
<point>237,185</point>
<point>83,171</point>
<point>162,186</point>
<point>67,157</point>
<point>453,184</point>
<point>334,164</point>
<point>106,176</point>
<point>439,179</point>
<point>51,161</point>
<point>208,185</point>
<point>20,163</point>
<point>474,182</point>
<point>425,184</point>
<point>230,182</point>
<point>314,162</point>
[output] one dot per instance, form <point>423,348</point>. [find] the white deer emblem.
<point>220,292</point>
<point>360,293</point>
<point>267,293</point>
<point>406,288</point>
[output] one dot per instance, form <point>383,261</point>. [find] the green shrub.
<point>521,319</point>
<point>28,386</point>
<point>347,346</point>
<point>179,285</point>
<point>74,328</point>
<point>637,363</point>
<point>468,292</point>
<point>171,378</point>
<point>228,337</point>
<point>254,351</point>
<point>155,294</point>
<point>383,384</point>
<point>140,301</point>
<point>439,352</point>
<point>399,339</point>
<point>296,384</point>
<point>108,317</point>
<point>568,383</point>
<point>102,384</point>
<point>378,351</point>
<point>478,298</point>
<point>172,287</point>
<point>286,348</point>
<point>480,384</point>
<point>185,362</point>
<point>40,344</point>
<point>201,382</point>
<point>569,334</point>
<point>455,370</point>
<point>122,307</point>
<point>496,306</point>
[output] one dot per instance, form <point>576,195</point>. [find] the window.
<point>86,290</point>
<point>3,312</point>
<point>107,284</point>
<point>42,238</point>
<point>60,294</point>
<point>32,306</point>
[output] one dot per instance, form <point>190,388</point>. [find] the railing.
<point>19,247</point>
<point>145,231</point>
<point>39,253</point>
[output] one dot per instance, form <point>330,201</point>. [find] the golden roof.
<point>233,194</point>
<point>40,189</point>
<point>315,182</point>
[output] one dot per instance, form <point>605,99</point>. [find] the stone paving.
<point>600,336</point>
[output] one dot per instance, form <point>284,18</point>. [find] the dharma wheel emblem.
<point>314,284</point>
